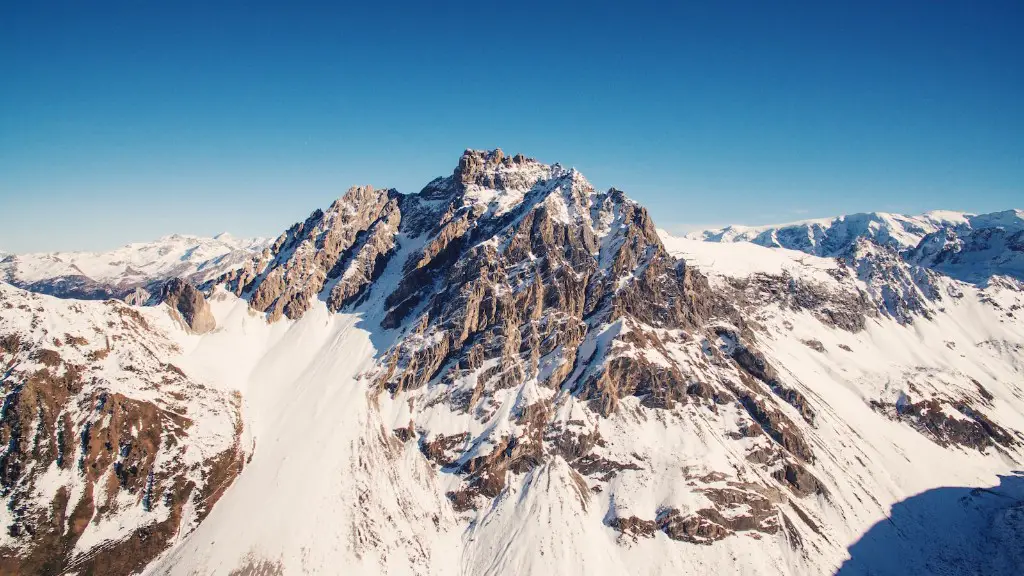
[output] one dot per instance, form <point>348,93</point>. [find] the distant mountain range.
<point>117,273</point>
<point>970,247</point>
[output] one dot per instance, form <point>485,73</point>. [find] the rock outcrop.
<point>188,306</point>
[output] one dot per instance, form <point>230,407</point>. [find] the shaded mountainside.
<point>513,372</point>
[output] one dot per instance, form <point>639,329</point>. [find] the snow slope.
<point>331,489</point>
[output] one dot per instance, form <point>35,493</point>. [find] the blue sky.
<point>128,121</point>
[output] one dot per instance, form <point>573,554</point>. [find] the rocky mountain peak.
<point>338,253</point>
<point>490,183</point>
<point>494,169</point>
<point>515,298</point>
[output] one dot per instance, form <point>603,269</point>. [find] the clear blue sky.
<point>127,121</point>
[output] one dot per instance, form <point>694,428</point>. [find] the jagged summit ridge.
<point>338,253</point>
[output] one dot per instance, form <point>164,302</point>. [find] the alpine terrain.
<point>511,372</point>
<point>130,272</point>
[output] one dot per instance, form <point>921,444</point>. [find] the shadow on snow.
<point>947,531</point>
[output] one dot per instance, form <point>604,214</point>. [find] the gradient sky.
<point>128,121</point>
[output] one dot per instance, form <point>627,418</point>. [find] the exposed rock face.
<point>525,283</point>
<point>847,309</point>
<point>346,246</point>
<point>898,290</point>
<point>137,297</point>
<point>950,423</point>
<point>747,508</point>
<point>188,305</point>
<point>109,452</point>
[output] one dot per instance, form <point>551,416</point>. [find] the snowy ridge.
<point>971,247</point>
<point>907,263</point>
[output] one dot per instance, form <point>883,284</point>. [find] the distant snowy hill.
<point>988,245</point>
<point>970,247</point>
<point>512,372</point>
<point>99,275</point>
<point>831,236</point>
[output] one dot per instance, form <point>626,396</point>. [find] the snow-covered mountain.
<point>110,451</point>
<point>971,247</point>
<point>832,236</point>
<point>901,258</point>
<point>512,372</point>
<point>113,274</point>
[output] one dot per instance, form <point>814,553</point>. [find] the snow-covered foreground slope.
<point>109,450</point>
<point>116,272</point>
<point>327,486</point>
<point>512,373</point>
